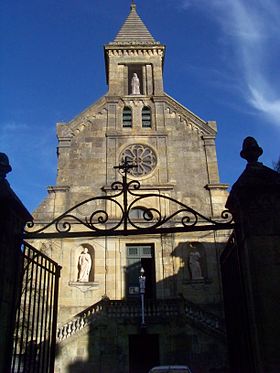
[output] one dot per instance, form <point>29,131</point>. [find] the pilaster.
<point>211,158</point>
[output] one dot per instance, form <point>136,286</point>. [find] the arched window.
<point>127,117</point>
<point>146,117</point>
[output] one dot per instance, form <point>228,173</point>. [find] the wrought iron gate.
<point>34,343</point>
<point>35,332</point>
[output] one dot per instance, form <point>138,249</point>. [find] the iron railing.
<point>35,332</point>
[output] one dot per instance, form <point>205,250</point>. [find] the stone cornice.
<point>124,48</point>
<point>168,186</point>
<point>217,186</point>
<point>66,131</point>
<point>187,115</point>
<point>134,50</point>
<point>209,140</point>
<point>147,133</point>
<point>58,188</point>
<point>93,109</point>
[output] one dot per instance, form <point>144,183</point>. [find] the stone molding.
<point>134,43</point>
<point>58,188</point>
<point>84,286</point>
<point>192,120</point>
<point>118,51</point>
<point>169,186</point>
<point>217,186</point>
<point>209,140</point>
<point>144,133</point>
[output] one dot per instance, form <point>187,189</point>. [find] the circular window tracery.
<point>142,156</point>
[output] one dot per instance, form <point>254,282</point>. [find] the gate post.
<point>254,202</point>
<point>13,216</point>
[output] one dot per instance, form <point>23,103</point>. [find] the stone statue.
<point>84,266</point>
<point>135,85</point>
<point>251,151</point>
<point>195,267</point>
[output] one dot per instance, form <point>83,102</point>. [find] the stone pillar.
<point>149,80</point>
<point>254,202</point>
<point>217,190</point>
<point>211,158</point>
<point>13,217</point>
<point>157,78</point>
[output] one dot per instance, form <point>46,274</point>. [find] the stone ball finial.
<point>4,165</point>
<point>251,151</point>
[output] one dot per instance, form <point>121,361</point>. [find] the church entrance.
<point>143,352</point>
<point>140,256</point>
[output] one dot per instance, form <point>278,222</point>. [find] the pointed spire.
<point>133,30</point>
<point>133,5</point>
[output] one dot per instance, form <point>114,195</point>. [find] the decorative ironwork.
<point>142,156</point>
<point>94,215</point>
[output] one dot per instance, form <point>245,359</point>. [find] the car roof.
<point>167,368</point>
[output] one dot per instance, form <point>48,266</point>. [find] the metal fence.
<point>35,332</point>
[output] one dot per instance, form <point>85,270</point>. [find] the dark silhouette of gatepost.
<point>13,216</point>
<point>251,268</point>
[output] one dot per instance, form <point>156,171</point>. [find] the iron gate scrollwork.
<point>36,319</point>
<point>128,196</point>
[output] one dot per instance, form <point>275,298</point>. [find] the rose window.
<point>142,156</point>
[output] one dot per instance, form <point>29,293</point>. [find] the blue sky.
<point>222,63</point>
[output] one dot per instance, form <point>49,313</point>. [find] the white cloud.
<point>13,126</point>
<point>262,103</point>
<point>252,28</point>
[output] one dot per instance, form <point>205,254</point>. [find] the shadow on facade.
<point>183,323</point>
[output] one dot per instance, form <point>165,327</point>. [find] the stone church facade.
<point>99,316</point>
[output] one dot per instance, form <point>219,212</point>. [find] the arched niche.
<point>75,255</point>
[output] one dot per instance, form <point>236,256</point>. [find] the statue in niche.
<point>84,266</point>
<point>194,264</point>
<point>135,85</point>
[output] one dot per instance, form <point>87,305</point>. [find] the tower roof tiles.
<point>133,30</point>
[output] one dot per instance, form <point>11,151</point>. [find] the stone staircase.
<point>156,311</point>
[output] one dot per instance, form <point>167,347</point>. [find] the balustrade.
<point>131,311</point>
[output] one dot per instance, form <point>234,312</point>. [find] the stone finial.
<point>4,166</point>
<point>251,150</point>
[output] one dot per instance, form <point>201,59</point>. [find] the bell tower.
<point>134,51</point>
